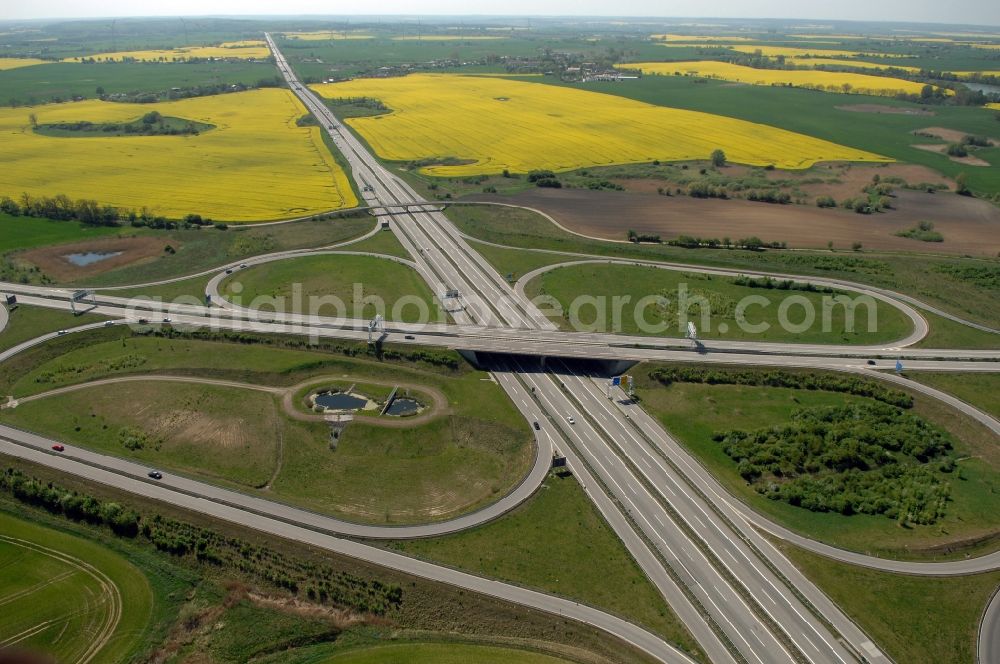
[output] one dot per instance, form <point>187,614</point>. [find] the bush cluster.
<point>861,458</point>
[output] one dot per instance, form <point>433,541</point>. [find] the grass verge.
<point>558,543</point>
<point>694,412</point>
<point>916,619</point>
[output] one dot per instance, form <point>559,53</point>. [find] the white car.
<point>569,418</point>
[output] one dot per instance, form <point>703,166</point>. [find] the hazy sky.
<point>975,12</point>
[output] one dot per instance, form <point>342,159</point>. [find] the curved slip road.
<point>989,632</point>
<point>521,492</point>
<point>920,326</point>
<point>843,284</point>
<point>212,287</point>
<point>235,264</point>
<point>615,626</point>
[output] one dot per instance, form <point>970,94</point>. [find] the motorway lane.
<point>460,267</point>
<point>730,550</point>
<point>4,317</point>
<point>989,632</point>
<point>630,633</point>
<point>745,630</point>
<point>743,546</point>
<point>555,343</point>
<point>644,557</point>
<point>493,340</point>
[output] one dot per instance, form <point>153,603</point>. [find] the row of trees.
<point>62,208</point>
<point>315,580</point>
<point>752,243</point>
<point>855,385</point>
<point>770,283</point>
<point>868,458</point>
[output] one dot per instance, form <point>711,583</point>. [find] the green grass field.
<point>915,619</point>
<point>69,597</point>
<point>592,298</point>
<point>694,412</point>
<point>946,333</point>
<point>382,243</point>
<point>559,543</point>
<point>218,433</point>
<point>980,389</point>
<point>468,457</point>
<point>342,285</point>
<point>28,232</point>
<point>931,279</point>
<point>64,81</point>
<point>29,322</point>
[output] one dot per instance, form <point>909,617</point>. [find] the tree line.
<point>88,211</point>
<point>317,581</point>
<point>847,384</point>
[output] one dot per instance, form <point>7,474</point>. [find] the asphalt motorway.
<point>630,633</point>
<point>741,599</point>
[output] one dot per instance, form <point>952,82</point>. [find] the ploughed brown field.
<point>969,226</point>
<point>53,260</point>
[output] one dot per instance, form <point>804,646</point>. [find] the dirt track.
<point>969,226</point>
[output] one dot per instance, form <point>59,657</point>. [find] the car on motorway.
<point>155,474</point>
<point>537,426</point>
<point>243,266</point>
<point>61,332</point>
<point>58,448</point>
<point>143,321</point>
<point>569,418</point>
<point>229,271</point>
<point>870,363</point>
<point>166,320</point>
<point>409,336</point>
<point>108,323</point>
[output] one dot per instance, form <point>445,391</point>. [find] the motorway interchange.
<point>702,548</point>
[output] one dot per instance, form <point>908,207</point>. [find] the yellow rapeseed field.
<point>16,63</point>
<point>324,35</point>
<point>244,50</point>
<point>256,164</point>
<point>815,80</point>
<point>995,107</point>
<point>499,124</point>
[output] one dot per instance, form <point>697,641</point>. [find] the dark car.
<point>58,448</point>
<point>537,426</point>
<point>871,363</point>
<point>155,474</point>
<point>409,336</point>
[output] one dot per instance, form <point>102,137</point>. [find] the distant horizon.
<point>967,13</point>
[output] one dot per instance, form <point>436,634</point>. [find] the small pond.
<point>340,401</point>
<point>90,257</point>
<point>403,406</point>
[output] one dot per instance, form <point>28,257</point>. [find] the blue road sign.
<point>617,380</point>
